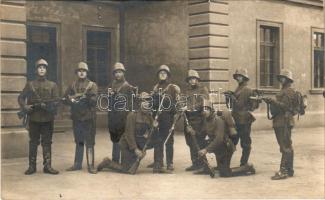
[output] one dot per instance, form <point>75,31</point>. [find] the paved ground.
<point>308,181</point>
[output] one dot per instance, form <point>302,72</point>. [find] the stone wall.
<point>14,139</point>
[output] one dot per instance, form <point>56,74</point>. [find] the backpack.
<point>299,103</point>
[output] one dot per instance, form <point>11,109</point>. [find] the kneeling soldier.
<point>82,97</point>
<point>138,125</point>
<point>221,144</point>
<point>40,95</point>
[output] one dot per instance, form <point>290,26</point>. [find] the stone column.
<point>14,138</point>
<point>208,42</point>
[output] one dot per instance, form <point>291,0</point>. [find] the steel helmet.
<point>41,62</point>
<point>164,68</point>
<point>241,72</point>
<point>118,66</point>
<point>82,66</point>
<point>192,74</point>
<point>286,74</point>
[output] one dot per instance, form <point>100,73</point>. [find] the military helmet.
<point>118,66</point>
<point>82,66</point>
<point>241,72</point>
<point>286,74</point>
<point>164,68</point>
<point>144,96</point>
<point>41,62</point>
<point>192,74</point>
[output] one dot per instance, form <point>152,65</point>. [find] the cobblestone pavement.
<point>308,181</point>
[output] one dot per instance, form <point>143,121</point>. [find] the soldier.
<point>82,98</point>
<point>171,92</point>
<point>195,94</point>
<point>121,91</point>
<point>41,110</point>
<point>134,138</point>
<point>242,107</point>
<point>221,143</point>
<point>283,122</point>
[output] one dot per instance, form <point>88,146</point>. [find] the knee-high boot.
<point>91,160</point>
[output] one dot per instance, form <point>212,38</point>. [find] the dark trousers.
<point>283,137</point>
<point>193,150</point>
<point>84,132</point>
<point>40,133</point>
<point>127,159</point>
<point>165,124</point>
<point>244,134</point>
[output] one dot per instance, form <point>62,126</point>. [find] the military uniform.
<point>120,89</point>
<point>195,96</point>
<point>137,126</point>
<point>165,121</point>
<point>222,146</point>
<point>241,112</point>
<point>283,122</point>
<point>41,118</point>
<point>83,115</point>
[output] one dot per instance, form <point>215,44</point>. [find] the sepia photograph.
<point>162,99</point>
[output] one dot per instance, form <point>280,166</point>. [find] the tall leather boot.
<point>289,166</point>
<point>282,173</point>
<point>245,155</point>
<point>47,157</point>
<point>247,169</point>
<point>116,152</point>
<point>91,160</point>
<point>158,160</point>
<point>78,158</point>
<point>107,163</point>
<point>32,159</point>
<point>170,157</point>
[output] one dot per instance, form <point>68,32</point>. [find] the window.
<point>318,59</point>
<point>98,56</point>
<point>42,43</point>
<point>269,54</point>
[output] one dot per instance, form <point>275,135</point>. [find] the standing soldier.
<point>242,107</point>
<point>282,113</point>
<point>119,91</point>
<point>165,120</point>
<point>82,97</point>
<point>41,108</point>
<point>132,142</point>
<point>221,143</point>
<point>195,94</point>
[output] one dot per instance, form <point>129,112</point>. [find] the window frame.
<point>57,26</point>
<point>315,90</point>
<point>274,24</point>
<point>113,47</point>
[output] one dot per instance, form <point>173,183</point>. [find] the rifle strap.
<point>34,90</point>
<point>89,86</point>
<point>268,112</point>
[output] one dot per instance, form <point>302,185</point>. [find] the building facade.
<point>213,37</point>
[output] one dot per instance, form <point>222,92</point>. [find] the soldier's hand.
<point>268,100</point>
<point>155,124</point>
<point>203,152</point>
<point>139,153</point>
<point>28,108</point>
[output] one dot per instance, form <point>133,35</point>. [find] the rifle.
<point>259,98</point>
<point>24,114</point>
<point>196,145</point>
<point>230,98</point>
<point>133,169</point>
<point>176,118</point>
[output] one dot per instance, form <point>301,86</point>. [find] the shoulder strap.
<point>123,85</point>
<point>33,90</point>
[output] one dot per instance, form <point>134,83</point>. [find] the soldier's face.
<point>193,81</point>
<point>282,80</point>
<point>41,70</point>
<point>118,74</point>
<point>239,79</point>
<point>82,74</point>
<point>162,75</point>
<point>146,105</point>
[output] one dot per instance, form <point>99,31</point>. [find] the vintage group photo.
<point>162,99</point>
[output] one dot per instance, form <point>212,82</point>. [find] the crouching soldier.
<point>138,125</point>
<point>282,109</point>
<point>82,98</point>
<point>41,108</point>
<point>119,91</point>
<point>221,144</point>
<point>195,94</point>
